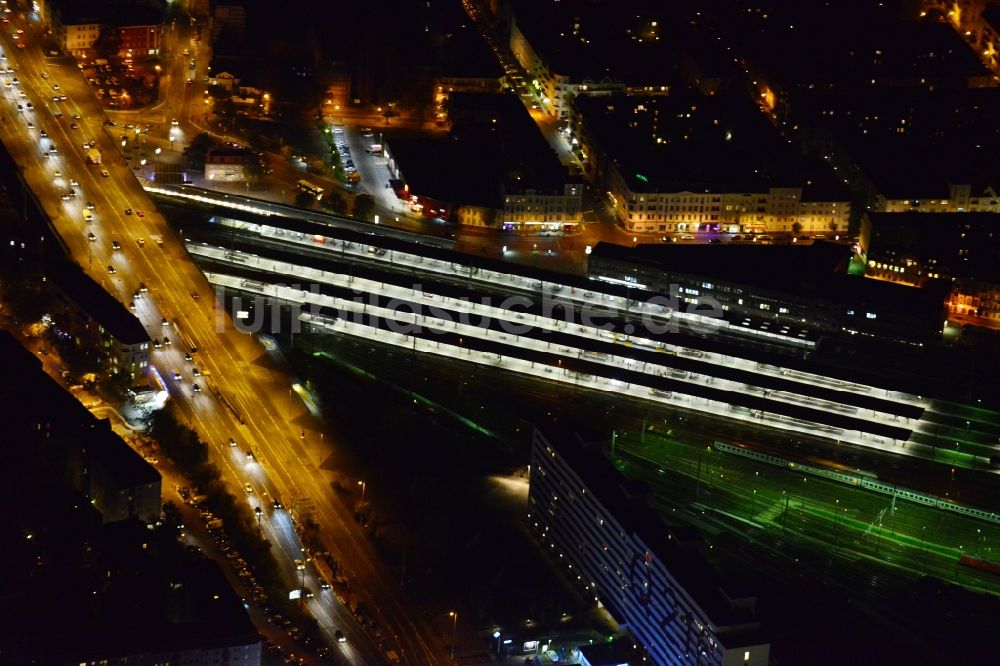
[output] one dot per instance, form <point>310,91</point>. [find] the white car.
<point>104,172</point>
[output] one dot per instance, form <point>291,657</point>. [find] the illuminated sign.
<point>642,178</point>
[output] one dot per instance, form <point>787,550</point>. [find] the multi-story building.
<point>960,198</point>
<point>794,286</point>
<point>610,543</point>
<point>97,463</point>
<point>590,48</point>
<point>76,25</point>
<point>102,323</point>
<point>691,163</point>
<point>139,38</point>
<point>554,209</point>
<point>76,28</point>
<point>523,186</point>
<point>962,249</point>
<point>229,19</point>
<point>466,62</point>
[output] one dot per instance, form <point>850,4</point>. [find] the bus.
<point>306,186</point>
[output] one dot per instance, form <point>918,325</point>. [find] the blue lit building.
<point>595,524</point>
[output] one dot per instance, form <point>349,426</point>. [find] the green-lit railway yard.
<point>826,557</point>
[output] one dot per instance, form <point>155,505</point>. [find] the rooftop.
<point>965,245</point>
<point>911,142</point>
<point>691,142</point>
<point>626,502</point>
<point>806,271</point>
<point>98,304</point>
<point>875,43</point>
<point>461,48</point>
<point>454,168</point>
<point>632,41</point>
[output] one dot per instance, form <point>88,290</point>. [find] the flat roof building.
<point>119,336</point>
<point>98,463</point>
<point>609,542</point>
<point>793,285</point>
<point>960,248</point>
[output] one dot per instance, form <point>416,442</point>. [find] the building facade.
<point>558,90</point>
<point>962,198</point>
<point>667,209</point>
<point>544,210</point>
<point>962,249</point>
<point>140,40</point>
<point>625,570</point>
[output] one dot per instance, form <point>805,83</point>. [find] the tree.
<point>108,42</point>
<point>304,199</point>
<point>796,227</point>
<point>364,207</point>
<point>833,227</point>
<point>336,203</point>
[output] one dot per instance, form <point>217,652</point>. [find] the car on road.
<point>91,237</point>
<point>341,638</point>
<point>196,372</point>
<point>176,375</point>
<point>175,122</point>
<point>104,172</point>
<point>142,287</point>
<point>187,357</point>
<point>276,505</point>
<point>43,133</point>
<point>73,182</point>
<point>87,217</point>
<point>232,442</point>
<point>75,126</point>
<point>31,125</point>
<point>55,86</point>
<point>76,116</point>
<point>156,343</point>
<point>90,205</point>
<point>141,242</point>
<point>164,322</point>
<point>166,341</point>
<point>247,487</point>
<point>128,211</point>
<point>140,213</point>
<point>115,245</point>
<point>196,388</point>
<point>111,269</point>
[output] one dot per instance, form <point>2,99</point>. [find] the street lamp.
<point>454,623</point>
